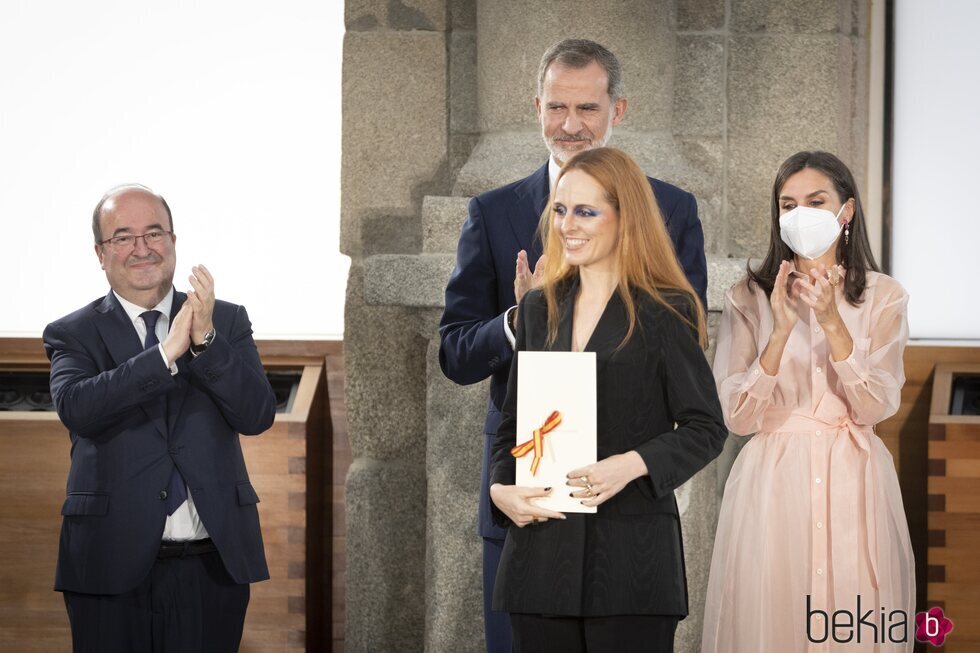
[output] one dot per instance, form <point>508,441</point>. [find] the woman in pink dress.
<point>809,358</point>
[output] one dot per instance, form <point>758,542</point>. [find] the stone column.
<point>394,151</point>
<point>797,79</point>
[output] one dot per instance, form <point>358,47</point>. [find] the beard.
<point>561,154</point>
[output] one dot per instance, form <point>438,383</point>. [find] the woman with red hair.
<point>613,580</point>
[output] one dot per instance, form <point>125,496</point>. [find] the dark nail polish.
<point>547,489</point>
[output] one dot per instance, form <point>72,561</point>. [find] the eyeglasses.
<point>125,242</point>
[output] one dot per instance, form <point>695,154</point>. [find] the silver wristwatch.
<point>208,339</point>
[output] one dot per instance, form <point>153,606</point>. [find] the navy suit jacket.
<point>500,223</point>
<point>125,440</point>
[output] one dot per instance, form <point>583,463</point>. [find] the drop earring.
<point>847,234</point>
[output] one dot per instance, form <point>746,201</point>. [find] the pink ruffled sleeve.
<point>744,387</point>
<point>871,378</point>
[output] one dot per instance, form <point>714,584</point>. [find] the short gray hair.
<point>579,53</point>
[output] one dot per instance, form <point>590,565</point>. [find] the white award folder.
<point>556,405</point>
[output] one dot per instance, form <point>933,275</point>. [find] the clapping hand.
<point>524,278</point>
<point>784,306</point>
<point>817,292</point>
<point>178,339</point>
<point>201,301</point>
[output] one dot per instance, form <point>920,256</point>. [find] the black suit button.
<point>163,495</point>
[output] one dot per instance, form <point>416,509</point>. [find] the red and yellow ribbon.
<point>536,443</point>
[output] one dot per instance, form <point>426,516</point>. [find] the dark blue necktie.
<point>176,489</point>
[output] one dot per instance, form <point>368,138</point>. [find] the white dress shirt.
<point>185,523</point>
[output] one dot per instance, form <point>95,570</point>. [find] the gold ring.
<point>588,487</point>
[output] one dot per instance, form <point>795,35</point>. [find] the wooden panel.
<point>942,392</point>
<point>22,353</point>
<point>33,472</point>
<point>334,513</point>
<point>294,471</point>
<point>953,498</point>
<point>276,614</point>
<point>907,435</point>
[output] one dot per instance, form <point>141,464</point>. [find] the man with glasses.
<point>160,536</point>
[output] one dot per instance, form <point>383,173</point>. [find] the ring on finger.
<point>588,488</point>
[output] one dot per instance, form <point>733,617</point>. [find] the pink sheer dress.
<point>812,506</point>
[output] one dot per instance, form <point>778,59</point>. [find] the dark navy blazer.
<point>502,222</point>
<point>125,440</point>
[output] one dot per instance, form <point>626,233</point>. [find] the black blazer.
<point>628,558</point>
<point>500,223</point>
<point>125,441</point>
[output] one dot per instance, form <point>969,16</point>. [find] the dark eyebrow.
<point>126,230</point>
<point>813,194</point>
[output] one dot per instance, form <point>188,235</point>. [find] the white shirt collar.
<point>134,311</point>
<point>553,169</point>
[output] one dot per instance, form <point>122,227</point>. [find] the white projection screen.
<point>229,108</point>
<point>936,166</point>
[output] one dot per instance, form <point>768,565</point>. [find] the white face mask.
<point>809,231</point>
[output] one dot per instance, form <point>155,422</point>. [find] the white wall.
<point>936,171</point>
<point>228,108</point>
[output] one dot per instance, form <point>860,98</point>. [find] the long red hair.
<point>647,262</point>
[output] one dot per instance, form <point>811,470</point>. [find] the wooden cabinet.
<point>954,511</point>
<point>290,467</point>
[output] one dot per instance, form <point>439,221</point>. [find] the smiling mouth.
<point>575,243</point>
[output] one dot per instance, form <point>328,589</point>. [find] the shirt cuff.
<point>173,368</point>
<point>511,338</point>
<point>757,383</point>
<point>851,370</point>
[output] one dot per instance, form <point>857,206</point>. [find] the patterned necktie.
<point>176,489</point>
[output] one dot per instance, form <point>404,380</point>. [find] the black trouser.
<point>186,604</point>
<point>620,634</point>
